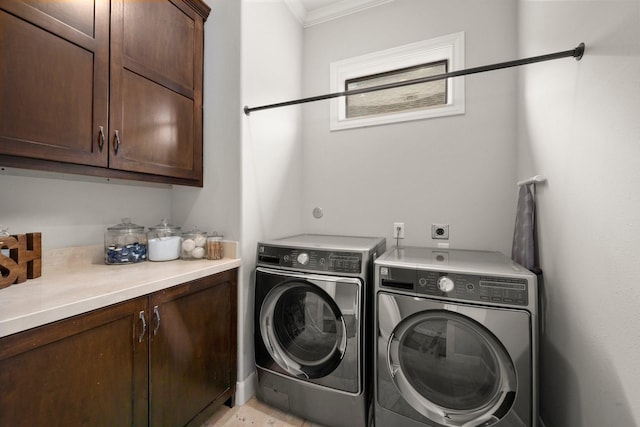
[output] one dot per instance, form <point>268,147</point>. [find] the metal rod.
<point>533,180</point>
<point>576,53</point>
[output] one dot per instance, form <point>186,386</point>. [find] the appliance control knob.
<point>445,284</point>
<point>303,258</point>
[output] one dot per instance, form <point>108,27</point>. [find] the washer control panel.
<point>311,259</point>
<point>466,287</point>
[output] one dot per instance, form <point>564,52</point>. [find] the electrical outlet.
<point>440,231</point>
<point>398,230</point>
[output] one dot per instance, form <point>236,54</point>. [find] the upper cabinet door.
<point>54,78</point>
<point>156,88</point>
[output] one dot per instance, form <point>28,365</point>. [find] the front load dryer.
<point>455,340</point>
<point>313,323</point>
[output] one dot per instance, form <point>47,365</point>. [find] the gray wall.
<point>271,151</point>
<point>216,206</point>
<point>458,170</point>
<point>75,211</point>
<point>578,125</point>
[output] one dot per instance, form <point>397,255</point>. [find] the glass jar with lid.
<point>125,243</point>
<point>194,245</point>
<point>164,241</point>
<point>214,247</point>
<point>4,232</point>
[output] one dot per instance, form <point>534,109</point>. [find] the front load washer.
<point>313,323</point>
<point>455,341</point>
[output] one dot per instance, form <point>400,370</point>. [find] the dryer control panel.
<point>464,287</point>
<point>311,259</point>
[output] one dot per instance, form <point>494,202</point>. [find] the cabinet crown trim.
<point>200,7</point>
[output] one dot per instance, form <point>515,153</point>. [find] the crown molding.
<point>298,10</point>
<point>332,11</point>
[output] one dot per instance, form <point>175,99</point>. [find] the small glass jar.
<point>194,245</point>
<point>125,243</point>
<point>214,247</point>
<point>164,241</point>
<point>4,232</point>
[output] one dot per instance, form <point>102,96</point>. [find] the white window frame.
<point>449,47</point>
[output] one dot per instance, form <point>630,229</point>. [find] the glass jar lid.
<point>194,232</point>
<point>165,227</point>
<point>126,226</point>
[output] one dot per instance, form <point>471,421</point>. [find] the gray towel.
<point>524,250</point>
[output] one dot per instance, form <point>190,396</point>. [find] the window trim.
<point>449,47</point>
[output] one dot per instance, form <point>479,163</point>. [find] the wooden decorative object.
<point>24,260</point>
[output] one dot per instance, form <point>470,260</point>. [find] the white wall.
<point>216,206</point>
<point>75,211</point>
<point>579,126</point>
<point>271,150</point>
<point>458,170</point>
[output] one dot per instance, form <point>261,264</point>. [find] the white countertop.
<point>76,280</point>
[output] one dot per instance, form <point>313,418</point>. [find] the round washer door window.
<point>303,329</point>
<point>451,369</point>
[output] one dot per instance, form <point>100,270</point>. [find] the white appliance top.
<point>458,260</point>
<point>328,242</point>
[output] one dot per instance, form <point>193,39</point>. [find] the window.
<point>412,102</point>
<point>404,98</point>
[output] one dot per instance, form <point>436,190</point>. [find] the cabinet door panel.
<point>87,370</point>
<point>53,82</point>
<point>156,88</point>
<point>156,132</point>
<point>168,53</point>
<point>76,14</point>
<point>193,353</point>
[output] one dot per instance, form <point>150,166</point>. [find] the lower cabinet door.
<point>88,370</point>
<point>192,349</point>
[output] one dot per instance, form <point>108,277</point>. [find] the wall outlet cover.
<point>440,231</point>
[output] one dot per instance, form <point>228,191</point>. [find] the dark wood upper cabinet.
<point>54,80</point>
<point>156,89</point>
<point>103,88</point>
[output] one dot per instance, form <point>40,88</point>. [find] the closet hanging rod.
<point>576,53</point>
<point>533,180</point>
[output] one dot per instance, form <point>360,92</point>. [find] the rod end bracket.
<point>578,52</point>
<point>247,110</point>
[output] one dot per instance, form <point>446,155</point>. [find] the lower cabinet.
<point>166,359</point>
<point>192,342</point>
<point>89,370</point>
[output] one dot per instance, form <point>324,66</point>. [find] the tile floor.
<point>254,414</point>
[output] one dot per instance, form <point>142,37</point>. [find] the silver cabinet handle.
<point>144,326</point>
<point>101,141</point>
<point>117,141</point>
<point>156,313</point>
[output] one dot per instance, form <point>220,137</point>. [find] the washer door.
<point>303,329</point>
<point>448,365</point>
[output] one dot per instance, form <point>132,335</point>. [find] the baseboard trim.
<point>246,389</point>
